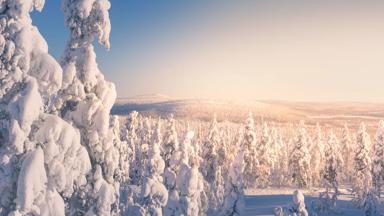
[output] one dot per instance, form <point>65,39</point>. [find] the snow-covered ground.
<point>263,201</point>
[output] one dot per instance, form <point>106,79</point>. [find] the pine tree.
<point>378,159</point>
<point>299,159</point>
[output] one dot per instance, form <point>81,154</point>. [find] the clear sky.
<point>287,50</point>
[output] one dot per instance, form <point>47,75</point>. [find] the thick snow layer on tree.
<point>67,159</point>
<point>31,185</point>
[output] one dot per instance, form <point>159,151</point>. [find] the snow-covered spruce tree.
<point>317,156</point>
<point>154,195</point>
<point>196,160</point>
<point>189,182</point>
<point>250,157</point>
<point>362,178</point>
<point>347,152</point>
<point>122,171</point>
<point>264,151</point>
<point>378,159</point>
<point>130,138</point>
<point>331,172</point>
<point>234,187</point>
<point>42,161</point>
<point>86,100</point>
<point>280,173</point>
<point>299,159</point>
<point>170,142</point>
<point>141,150</point>
<point>211,169</point>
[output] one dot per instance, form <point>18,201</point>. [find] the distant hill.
<point>335,113</point>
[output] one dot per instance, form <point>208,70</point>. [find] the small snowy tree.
<point>362,178</point>
<point>378,159</point>
<point>299,160</point>
<point>298,207</point>
<point>250,157</point>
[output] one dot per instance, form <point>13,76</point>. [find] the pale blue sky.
<point>287,50</point>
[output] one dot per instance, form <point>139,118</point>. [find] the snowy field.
<point>263,201</point>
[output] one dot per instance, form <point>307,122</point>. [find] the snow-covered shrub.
<point>298,205</point>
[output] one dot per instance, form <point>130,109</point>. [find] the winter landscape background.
<point>71,144</point>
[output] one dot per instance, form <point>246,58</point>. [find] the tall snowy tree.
<point>234,187</point>
<point>189,181</point>
<point>299,159</point>
<point>362,178</point>
<point>378,159</point>
<point>317,156</point>
<point>171,142</point>
<point>331,172</point>
<point>211,169</point>
<point>347,152</point>
<point>154,195</point>
<point>42,161</point>
<point>264,151</point>
<point>86,99</point>
<point>280,174</point>
<point>129,136</point>
<point>250,156</point>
